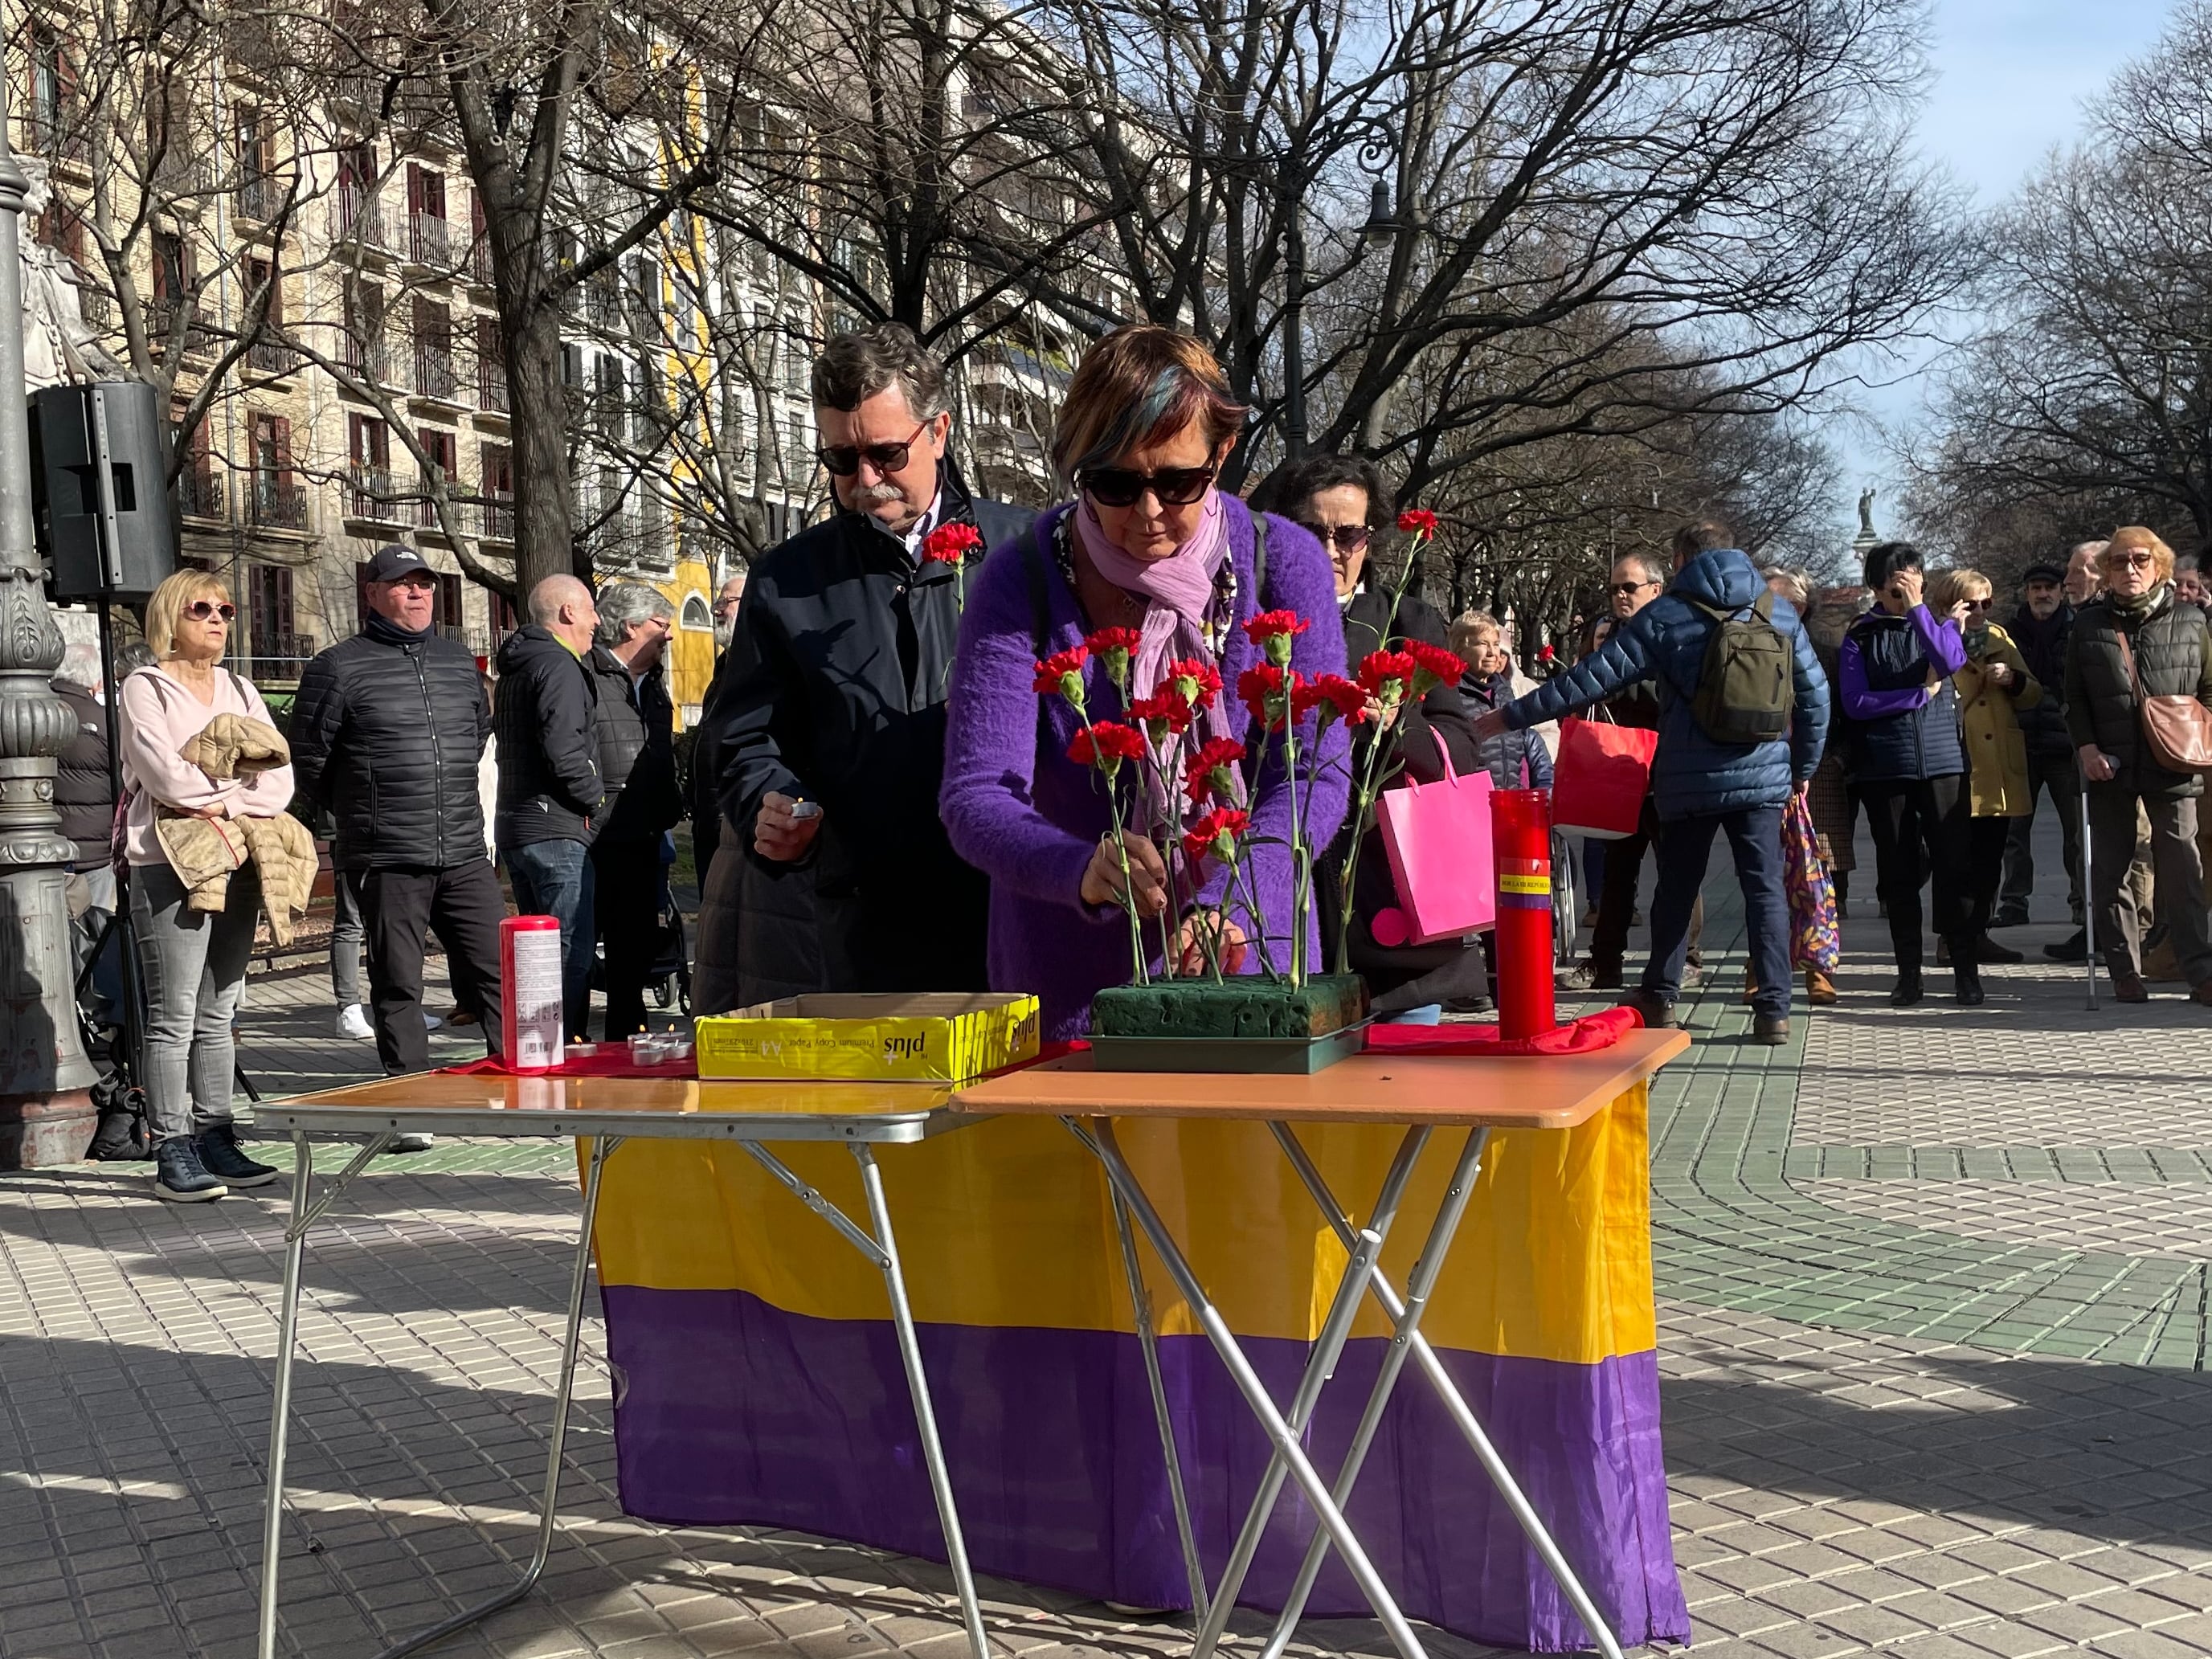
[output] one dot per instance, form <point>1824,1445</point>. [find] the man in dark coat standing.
<point>830,717</point>
<point>387,731</point>
<point>549,787</point>
<point>2040,628</point>
<point>637,766</point>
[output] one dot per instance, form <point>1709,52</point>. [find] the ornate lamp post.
<point>45,1114</point>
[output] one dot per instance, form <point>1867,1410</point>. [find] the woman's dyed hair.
<point>1140,385</point>
<point>2131,537</point>
<point>176,592</point>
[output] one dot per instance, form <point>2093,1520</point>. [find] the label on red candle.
<point>1524,883</point>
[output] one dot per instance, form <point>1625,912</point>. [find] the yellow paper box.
<point>941,1036</point>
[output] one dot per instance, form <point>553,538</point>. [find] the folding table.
<point>602,1113</point>
<point>1424,1094</point>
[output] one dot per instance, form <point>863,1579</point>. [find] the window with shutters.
<point>441,448</point>
<point>491,367</point>
<point>495,484</point>
<point>430,241</point>
<point>275,650</point>
<point>275,498</point>
<point>369,455</point>
<point>266,355</point>
<point>435,374</point>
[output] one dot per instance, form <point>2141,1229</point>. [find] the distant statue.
<point>1866,513</point>
<point>59,347</point>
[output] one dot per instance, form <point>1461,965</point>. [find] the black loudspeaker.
<point>97,464</point>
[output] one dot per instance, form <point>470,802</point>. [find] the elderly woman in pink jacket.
<point>192,963</point>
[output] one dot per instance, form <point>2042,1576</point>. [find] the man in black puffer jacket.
<point>637,764</point>
<point>387,732</point>
<point>2041,629</point>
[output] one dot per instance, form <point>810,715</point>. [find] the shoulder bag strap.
<point>1034,568</point>
<point>1260,562</point>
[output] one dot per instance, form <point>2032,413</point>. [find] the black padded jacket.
<point>549,787</point>
<point>637,752</point>
<point>386,733</point>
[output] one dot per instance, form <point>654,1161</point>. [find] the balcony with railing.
<point>493,517</point>
<point>204,493</point>
<point>262,199</point>
<point>430,241</point>
<point>491,384</point>
<point>480,259</point>
<point>274,501</point>
<point>272,357</point>
<point>358,217</point>
<point>436,375</point>
<point>373,360</point>
<point>375,495</point>
<point>59,132</point>
<point>277,658</point>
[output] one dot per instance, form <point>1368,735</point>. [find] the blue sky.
<point>2012,78</point>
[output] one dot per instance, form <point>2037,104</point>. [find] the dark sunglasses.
<point>1174,486</point>
<point>843,460</point>
<point>207,609</point>
<point>1623,589</point>
<point>1344,537</point>
<point>1977,604</point>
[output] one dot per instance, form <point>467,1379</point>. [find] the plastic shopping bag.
<point>1601,778</point>
<point>1815,939</point>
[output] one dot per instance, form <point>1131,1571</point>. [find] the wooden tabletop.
<point>1551,1091</point>
<point>665,1108</point>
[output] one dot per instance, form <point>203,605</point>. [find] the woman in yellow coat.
<point>1992,688</point>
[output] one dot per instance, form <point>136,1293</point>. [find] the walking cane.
<point>2088,892</point>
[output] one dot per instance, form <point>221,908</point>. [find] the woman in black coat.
<point>2138,639</point>
<point>1345,504</point>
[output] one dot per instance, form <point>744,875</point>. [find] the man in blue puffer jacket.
<point>1699,787</point>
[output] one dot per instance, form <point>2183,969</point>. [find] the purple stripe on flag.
<point>735,1413</point>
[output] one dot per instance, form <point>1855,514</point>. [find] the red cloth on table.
<point>1578,1036</point>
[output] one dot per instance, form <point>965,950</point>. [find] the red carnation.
<point>1274,630</point>
<point>1335,696</point>
<point>1433,665</point>
<point>1216,835</point>
<point>1105,744</point>
<point>1386,674</point>
<point>1197,683</point>
<point>1113,646</point>
<point>1418,521</point>
<point>1062,672</point>
<point>1212,770</point>
<point>950,544</point>
<point>1267,690</point>
<point>1162,713</point>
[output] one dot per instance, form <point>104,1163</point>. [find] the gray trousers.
<point>2181,880</point>
<point>193,966</point>
<point>347,933</point>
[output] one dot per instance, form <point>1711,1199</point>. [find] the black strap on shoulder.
<point>1039,584</point>
<point>1259,560</point>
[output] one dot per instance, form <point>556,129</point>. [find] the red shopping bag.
<point>1601,778</point>
<point>1437,835</point>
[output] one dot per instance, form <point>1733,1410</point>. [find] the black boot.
<point>1906,992</point>
<point>221,1156</point>
<point>1969,977</point>
<point>179,1174</point>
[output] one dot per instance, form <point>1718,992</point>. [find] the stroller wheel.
<point>662,996</point>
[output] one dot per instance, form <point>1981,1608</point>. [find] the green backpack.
<point>1747,686</point>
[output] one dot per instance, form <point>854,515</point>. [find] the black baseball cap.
<point>395,561</point>
<point>2043,572</point>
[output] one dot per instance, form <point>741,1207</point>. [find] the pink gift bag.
<point>1437,835</point>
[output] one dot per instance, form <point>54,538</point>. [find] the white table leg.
<point>1407,1342</point>
<point>1141,1299</point>
<point>882,1249</point>
<point>1279,1432</point>
<point>305,1217</point>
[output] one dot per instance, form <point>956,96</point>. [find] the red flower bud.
<point>1212,770</point>
<point>1062,673</point>
<point>1198,683</point>
<point>1113,646</point>
<point>1266,689</point>
<point>1418,521</point>
<point>950,544</point>
<point>1216,835</point>
<point>1274,631</point>
<point>1433,665</point>
<point>1385,675</point>
<point>1105,744</point>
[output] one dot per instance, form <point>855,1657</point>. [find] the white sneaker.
<point>353,1022</point>
<point>413,1141</point>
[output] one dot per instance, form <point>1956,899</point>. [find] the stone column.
<point>46,1114</point>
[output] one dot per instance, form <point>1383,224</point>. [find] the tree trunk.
<point>544,540</point>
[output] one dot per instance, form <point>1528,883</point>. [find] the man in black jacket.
<point>549,787</point>
<point>831,718</point>
<point>387,732</point>
<point>2041,629</point>
<point>637,765</point>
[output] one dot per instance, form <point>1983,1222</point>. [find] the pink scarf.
<point>1178,590</point>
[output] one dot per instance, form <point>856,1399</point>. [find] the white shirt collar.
<point>919,531</point>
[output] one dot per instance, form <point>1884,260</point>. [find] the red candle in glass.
<point>1521,842</point>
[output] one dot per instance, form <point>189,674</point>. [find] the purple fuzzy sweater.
<point>1029,818</point>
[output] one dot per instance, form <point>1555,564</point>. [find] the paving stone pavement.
<point>1933,1320</point>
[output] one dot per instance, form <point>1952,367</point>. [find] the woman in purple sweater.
<point>1150,544</point>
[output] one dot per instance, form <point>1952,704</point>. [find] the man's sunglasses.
<point>1622,590</point>
<point>207,610</point>
<point>1174,486</point>
<point>1344,537</point>
<point>843,460</point>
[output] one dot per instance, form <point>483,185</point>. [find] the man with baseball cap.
<point>386,733</point>
<point>2040,628</point>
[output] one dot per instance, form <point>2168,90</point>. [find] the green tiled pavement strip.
<point>1730,1229</point>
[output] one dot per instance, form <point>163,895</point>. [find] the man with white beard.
<point>827,731</point>
<point>726,615</point>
